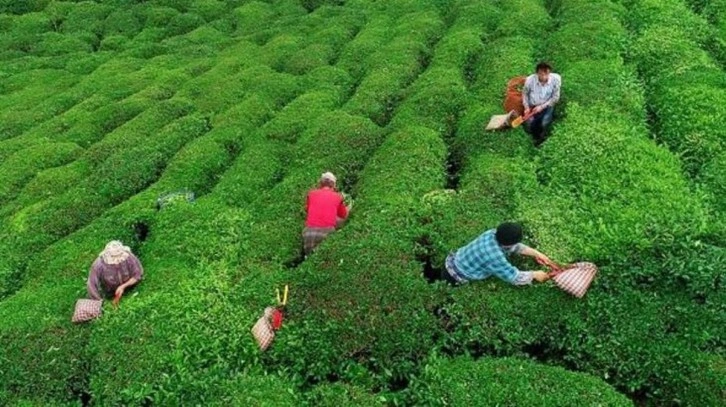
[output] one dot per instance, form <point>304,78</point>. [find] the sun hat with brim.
<point>115,253</point>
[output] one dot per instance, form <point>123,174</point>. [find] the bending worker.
<point>486,256</point>
<point>115,270</point>
<point>326,211</point>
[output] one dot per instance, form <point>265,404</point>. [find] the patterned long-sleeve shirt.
<point>484,257</point>
<point>535,93</point>
<point>106,278</point>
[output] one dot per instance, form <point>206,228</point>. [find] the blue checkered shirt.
<point>484,257</point>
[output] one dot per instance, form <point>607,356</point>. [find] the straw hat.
<point>115,253</point>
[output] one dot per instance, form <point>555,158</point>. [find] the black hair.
<point>509,234</point>
<point>543,66</point>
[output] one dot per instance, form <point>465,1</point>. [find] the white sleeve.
<point>523,278</point>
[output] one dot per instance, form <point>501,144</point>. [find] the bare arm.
<point>536,254</point>
<point>530,252</point>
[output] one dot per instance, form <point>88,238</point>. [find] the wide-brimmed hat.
<point>115,252</point>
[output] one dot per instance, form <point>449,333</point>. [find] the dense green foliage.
<point>511,382</point>
<point>685,88</point>
<point>107,105</point>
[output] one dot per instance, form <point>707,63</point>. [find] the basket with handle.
<point>574,278</point>
<point>270,321</point>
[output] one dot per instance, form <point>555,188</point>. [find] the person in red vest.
<point>326,211</point>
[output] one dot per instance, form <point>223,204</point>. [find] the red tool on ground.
<point>278,314</point>
<point>270,321</point>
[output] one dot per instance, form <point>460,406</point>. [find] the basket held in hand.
<point>575,278</point>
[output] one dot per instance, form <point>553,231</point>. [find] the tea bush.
<point>691,125</point>
<point>523,18</point>
<point>84,16</point>
<point>9,6</point>
<point>20,118</point>
<point>579,166</point>
<point>64,266</point>
<point>371,311</point>
<point>336,394</point>
<point>506,54</point>
<point>668,13</point>
<point>188,376</point>
<point>522,198</point>
<point>436,99</point>
<point>394,67</point>
<point>115,178</point>
<point>610,82</point>
<point>122,22</point>
<point>26,163</point>
<point>611,42</point>
<point>684,84</point>
<point>108,105</point>
<point>374,35</point>
<point>160,249</point>
<point>510,381</point>
<point>295,118</point>
<point>349,141</point>
<point>715,12</point>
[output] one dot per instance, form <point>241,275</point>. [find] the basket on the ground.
<point>262,330</point>
<point>86,310</point>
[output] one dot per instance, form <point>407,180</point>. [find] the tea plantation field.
<point>107,105</point>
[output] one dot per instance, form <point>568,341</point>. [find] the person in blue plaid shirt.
<point>487,255</point>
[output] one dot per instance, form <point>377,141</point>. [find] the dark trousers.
<point>538,125</point>
<point>445,276</point>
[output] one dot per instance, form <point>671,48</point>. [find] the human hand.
<point>537,109</point>
<point>540,276</point>
<point>120,291</point>
<point>543,260</point>
<point>527,111</point>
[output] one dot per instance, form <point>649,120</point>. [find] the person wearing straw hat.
<point>326,211</point>
<point>115,270</point>
<point>486,256</point>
